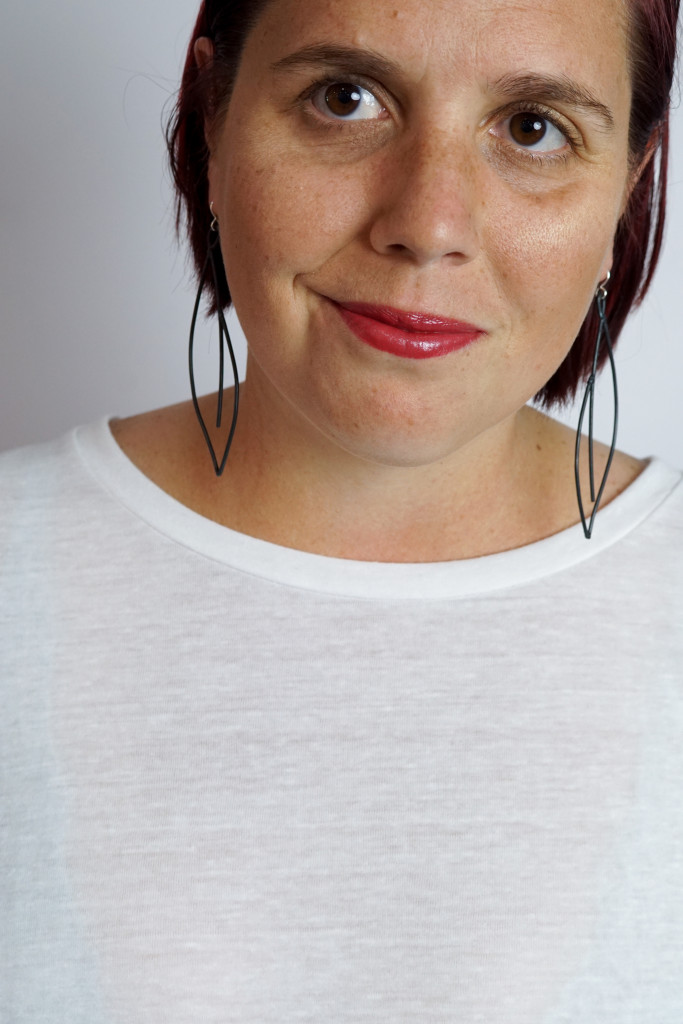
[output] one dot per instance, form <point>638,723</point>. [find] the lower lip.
<point>401,342</point>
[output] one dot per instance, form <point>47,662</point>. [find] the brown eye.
<point>535,133</point>
<point>527,128</point>
<point>342,99</point>
<point>346,101</point>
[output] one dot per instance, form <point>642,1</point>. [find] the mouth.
<point>411,335</point>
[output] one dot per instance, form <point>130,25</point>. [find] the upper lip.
<point>423,323</point>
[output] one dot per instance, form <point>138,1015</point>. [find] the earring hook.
<point>602,287</point>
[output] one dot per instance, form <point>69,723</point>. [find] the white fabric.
<point>245,784</point>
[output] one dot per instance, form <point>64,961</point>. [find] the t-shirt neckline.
<point>111,467</point>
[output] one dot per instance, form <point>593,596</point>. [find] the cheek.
<point>546,257</point>
<point>284,218</point>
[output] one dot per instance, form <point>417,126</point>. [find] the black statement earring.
<point>213,253</point>
<point>589,399</point>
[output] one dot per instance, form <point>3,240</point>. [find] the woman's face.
<point>462,158</point>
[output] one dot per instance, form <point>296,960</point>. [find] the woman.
<point>351,722</point>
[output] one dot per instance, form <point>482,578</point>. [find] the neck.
<point>286,483</point>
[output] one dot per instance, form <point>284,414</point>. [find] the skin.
<point>429,203</point>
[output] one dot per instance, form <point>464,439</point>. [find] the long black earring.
<point>213,252</point>
<point>589,399</point>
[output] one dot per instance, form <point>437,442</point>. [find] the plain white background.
<point>96,296</point>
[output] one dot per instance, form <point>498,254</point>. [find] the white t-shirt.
<point>243,784</point>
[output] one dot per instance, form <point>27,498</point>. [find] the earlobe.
<point>606,269</point>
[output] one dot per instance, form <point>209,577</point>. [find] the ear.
<point>203,55</point>
<point>606,267</point>
<point>203,51</point>
<point>637,172</point>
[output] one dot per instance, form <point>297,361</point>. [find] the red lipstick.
<point>402,333</point>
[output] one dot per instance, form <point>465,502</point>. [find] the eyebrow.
<point>343,58</point>
<point>525,85</point>
<point>554,89</point>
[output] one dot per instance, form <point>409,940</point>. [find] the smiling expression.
<point>464,160</point>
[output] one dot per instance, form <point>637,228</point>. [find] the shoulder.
<point>39,488</point>
<point>156,440</point>
<point>662,487</point>
<point>167,447</point>
<point>52,489</point>
<point>552,448</point>
<point>26,472</point>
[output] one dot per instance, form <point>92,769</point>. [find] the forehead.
<point>458,39</point>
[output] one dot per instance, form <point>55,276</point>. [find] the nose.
<point>428,203</point>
